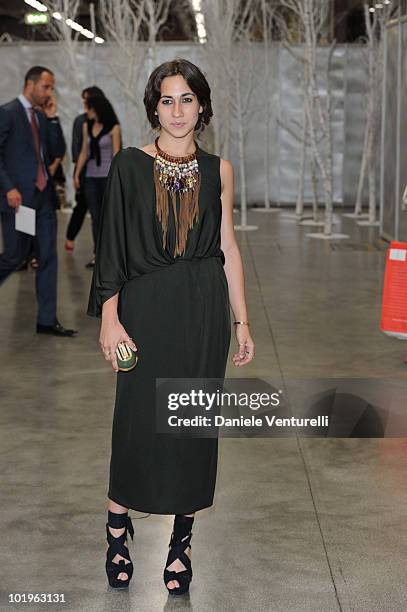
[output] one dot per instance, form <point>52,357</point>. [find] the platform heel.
<point>179,542</point>
<point>116,546</point>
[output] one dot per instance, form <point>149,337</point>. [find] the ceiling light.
<point>36,18</point>
<point>74,25</point>
<point>39,6</point>
<point>87,33</point>
<point>199,21</point>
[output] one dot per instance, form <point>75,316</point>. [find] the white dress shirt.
<point>27,106</point>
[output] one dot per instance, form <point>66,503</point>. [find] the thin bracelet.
<point>241,323</point>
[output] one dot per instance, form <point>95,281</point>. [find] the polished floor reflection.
<point>298,524</point>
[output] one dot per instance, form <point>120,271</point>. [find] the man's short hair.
<point>34,74</point>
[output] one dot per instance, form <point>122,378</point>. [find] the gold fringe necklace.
<point>174,175</point>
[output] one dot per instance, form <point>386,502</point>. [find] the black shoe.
<point>22,266</point>
<point>55,330</point>
<point>180,540</point>
<point>90,264</point>
<point>117,547</point>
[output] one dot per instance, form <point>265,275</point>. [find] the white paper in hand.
<point>25,220</point>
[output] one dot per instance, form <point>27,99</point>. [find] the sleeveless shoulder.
<point>210,168</point>
<point>208,156</point>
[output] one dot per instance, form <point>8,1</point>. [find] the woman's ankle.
<point>116,508</point>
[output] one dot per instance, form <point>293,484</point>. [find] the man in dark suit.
<point>29,141</point>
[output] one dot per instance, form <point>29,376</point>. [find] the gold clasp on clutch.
<point>124,351</point>
<point>126,357</point>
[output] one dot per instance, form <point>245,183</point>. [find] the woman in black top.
<point>101,140</point>
<point>167,264</point>
<point>80,209</point>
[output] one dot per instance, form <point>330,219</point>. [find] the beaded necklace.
<point>172,176</point>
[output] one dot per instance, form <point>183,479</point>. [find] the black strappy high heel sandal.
<point>116,546</point>
<point>179,542</point>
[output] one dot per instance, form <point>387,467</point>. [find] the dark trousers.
<point>94,190</point>
<point>78,214</point>
<point>17,246</point>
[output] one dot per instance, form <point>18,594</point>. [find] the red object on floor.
<point>394,302</point>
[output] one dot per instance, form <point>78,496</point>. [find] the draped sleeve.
<point>110,270</point>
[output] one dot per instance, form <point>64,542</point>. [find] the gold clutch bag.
<point>126,357</point>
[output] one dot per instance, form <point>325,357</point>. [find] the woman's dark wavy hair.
<point>104,110</point>
<point>195,79</point>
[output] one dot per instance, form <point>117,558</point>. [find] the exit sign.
<point>36,18</point>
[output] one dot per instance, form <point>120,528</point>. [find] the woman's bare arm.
<point>116,139</point>
<point>83,155</point>
<point>234,266</point>
<point>112,331</point>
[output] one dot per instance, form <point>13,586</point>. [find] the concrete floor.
<point>299,524</point>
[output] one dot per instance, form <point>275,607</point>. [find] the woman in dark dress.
<point>163,285</point>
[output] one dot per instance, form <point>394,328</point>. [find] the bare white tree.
<point>70,62</point>
<point>220,24</point>
<point>268,12</point>
<point>298,130</point>
<point>229,53</point>
<point>375,23</point>
<point>243,88</point>
<point>132,29</point>
<point>155,14</point>
<point>240,107</point>
<point>292,34</point>
<point>72,48</point>
<point>121,21</point>
<point>310,17</point>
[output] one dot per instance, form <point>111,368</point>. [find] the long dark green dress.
<point>177,312</point>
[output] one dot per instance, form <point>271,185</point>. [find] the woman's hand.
<point>110,336</point>
<point>76,182</point>
<point>246,346</point>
